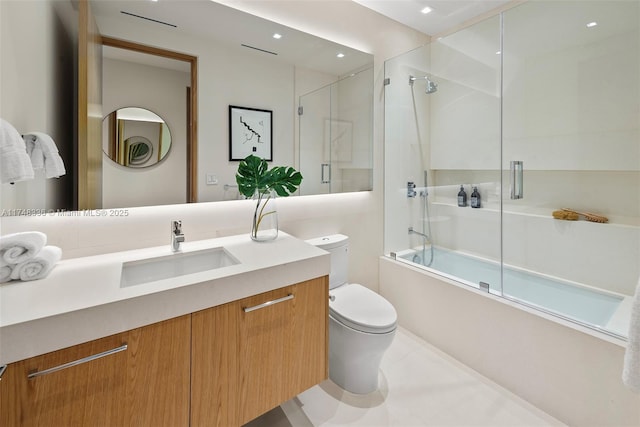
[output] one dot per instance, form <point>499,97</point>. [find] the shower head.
<point>431,85</point>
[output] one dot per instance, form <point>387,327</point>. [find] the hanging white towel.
<point>5,271</point>
<point>39,266</point>
<point>44,154</point>
<point>631,369</point>
<point>19,247</point>
<point>14,161</point>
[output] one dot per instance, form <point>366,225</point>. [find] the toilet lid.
<point>362,309</point>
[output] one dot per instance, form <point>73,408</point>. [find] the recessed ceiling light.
<point>340,55</point>
<point>426,10</point>
<point>498,52</point>
<point>277,36</point>
<point>592,24</point>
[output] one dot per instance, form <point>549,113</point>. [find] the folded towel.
<point>631,369</point>
<point>15,164</point>
<point>39,266</point>
<point>5,271</point>
<point>44,154</point>
<point>19,247</point>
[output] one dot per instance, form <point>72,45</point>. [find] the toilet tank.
<point>338,246</point>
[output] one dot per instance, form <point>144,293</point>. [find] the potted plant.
<point>255,180</point>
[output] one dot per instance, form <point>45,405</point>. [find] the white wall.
<point>162,91</point>
<point>33,103</point>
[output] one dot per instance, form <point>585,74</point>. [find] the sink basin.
<point>175,265</point>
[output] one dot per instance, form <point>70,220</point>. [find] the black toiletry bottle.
<point>462,197</point>
<point>475,198</point>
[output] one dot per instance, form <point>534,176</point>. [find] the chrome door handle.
<point>517,168</point>
<point>325,173</point>
<point>123,347</point>
<point>268,303</point>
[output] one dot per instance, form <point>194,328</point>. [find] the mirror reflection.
<point>239,62</point>
<point>135,137</point>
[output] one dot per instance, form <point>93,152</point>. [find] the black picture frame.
<point>250,132</point>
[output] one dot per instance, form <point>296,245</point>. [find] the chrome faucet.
<point>412,231</point>
<point>177,236</point>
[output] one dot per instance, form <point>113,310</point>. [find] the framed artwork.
<point>250,132</point>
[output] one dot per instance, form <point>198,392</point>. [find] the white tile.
<point>419,386</point>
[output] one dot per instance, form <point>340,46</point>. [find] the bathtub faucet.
<point>412,231</point>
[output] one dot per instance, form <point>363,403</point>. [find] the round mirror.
<point>135,137</point>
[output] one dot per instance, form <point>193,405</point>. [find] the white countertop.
<point>82,299</point>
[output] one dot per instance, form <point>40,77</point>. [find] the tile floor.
<point>419,386</point>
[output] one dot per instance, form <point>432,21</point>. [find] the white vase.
<point>264,226</point>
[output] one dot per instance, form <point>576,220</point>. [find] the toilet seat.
<point>362,309</point>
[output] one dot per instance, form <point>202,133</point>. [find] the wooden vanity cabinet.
<point>251,355</point>
<point>146,384</point>
<point>222,366</point>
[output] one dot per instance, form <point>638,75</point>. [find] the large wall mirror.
<point>242,60</point>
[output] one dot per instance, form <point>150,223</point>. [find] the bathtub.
<point>532,341</point>
<point>604,311</point>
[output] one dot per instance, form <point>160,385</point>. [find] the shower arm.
<point>413,79</point>
<point>431,85</point>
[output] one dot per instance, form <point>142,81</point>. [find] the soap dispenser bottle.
<point>475,198</point>
<point>462,197</point>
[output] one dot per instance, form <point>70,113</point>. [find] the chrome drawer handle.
<point>123,347</point>
<point>268,303</point>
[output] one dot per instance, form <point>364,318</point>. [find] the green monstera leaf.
<point>253,174</point>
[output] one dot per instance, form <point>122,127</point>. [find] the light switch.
<point>212,179</point>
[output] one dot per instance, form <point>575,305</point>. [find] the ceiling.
<point>208,20</point>
<point>212,20</point>
<point>445,14</point>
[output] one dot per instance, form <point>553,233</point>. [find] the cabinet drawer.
<point>140,377</point>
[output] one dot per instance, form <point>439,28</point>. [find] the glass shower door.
<point>336,123</point>
<point>570,113</point>
<point>315,162</point>
<point>545,125</point>
<point>442,134</point>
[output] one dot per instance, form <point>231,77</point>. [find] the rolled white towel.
<point>631,368</point>
<point>5,271</point>
<point>39,266</point>
<point>19,247</point>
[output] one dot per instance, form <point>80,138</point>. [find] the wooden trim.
<point>192,153</point>
<point>192,124</point>
<point>83,106</point>
<point>89,142</point>
<point>151,50</point>
<point>113,135</point>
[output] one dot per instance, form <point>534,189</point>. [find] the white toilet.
<point>362,323</point>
